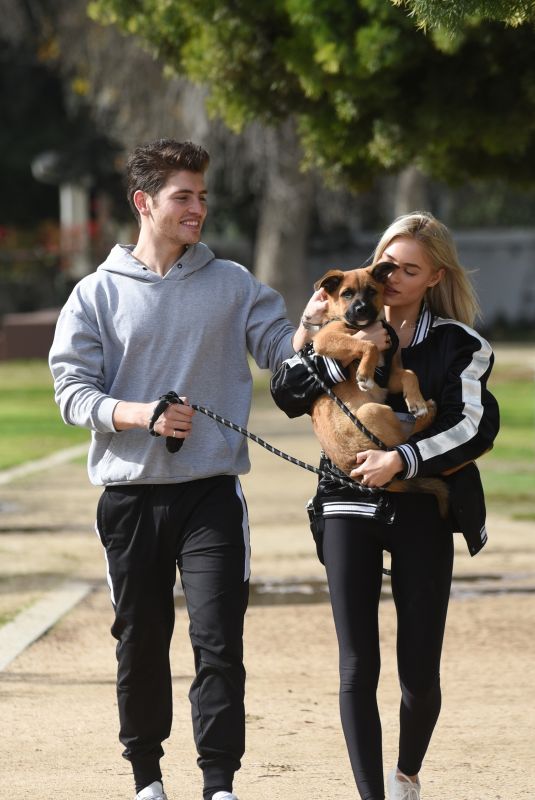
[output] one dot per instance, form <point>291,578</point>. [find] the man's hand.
<point>175,421</point>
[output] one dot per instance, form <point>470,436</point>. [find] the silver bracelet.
<point>309,326</point>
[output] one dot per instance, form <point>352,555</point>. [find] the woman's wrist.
<point>308,323</point>
<point>403,465</point>
<point>397,462</point>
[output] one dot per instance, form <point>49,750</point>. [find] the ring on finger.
<point>174,434</point>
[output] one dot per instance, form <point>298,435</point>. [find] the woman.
<point>431,306</point>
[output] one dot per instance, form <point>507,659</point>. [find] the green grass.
<point>31,427</point>
<point>30,423</point>
<point>508,471</point>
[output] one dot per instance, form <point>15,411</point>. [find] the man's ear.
<point>330,281</point>
<point>140,202</point>
<point>382,270</point>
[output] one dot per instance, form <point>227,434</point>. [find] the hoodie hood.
<point>121,262</point>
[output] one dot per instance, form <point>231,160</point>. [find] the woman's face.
<point>415,273</point>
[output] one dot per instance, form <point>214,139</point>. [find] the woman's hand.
<point>377,334</point>
<point>312,315</point>
<point>377,467</point>
<point>316,307</point>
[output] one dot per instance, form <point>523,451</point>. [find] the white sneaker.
<point>153,792</point>
<point>402,788</point>
<point>224,796</point>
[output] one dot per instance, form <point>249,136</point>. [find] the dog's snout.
<point>361,312</point>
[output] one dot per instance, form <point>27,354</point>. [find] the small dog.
<point>355,300</point>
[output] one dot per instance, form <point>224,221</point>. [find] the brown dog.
<point>355,299</point>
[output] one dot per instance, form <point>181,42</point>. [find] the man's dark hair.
<point>149,165</point>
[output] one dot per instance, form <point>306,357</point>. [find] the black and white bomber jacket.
<point>452,362</point>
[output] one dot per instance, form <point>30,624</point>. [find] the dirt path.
<point>59,727</point>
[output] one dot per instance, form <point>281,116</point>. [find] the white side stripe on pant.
<point>108,576</point>
<point>246,536</point>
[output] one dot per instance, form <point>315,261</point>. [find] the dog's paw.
<point>431,407</point>
<point>418,409</point>
<point>365,383</point>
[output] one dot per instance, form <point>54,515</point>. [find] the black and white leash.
<point>366,431</point>
<point>173,445</point>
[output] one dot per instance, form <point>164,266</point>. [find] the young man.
<point>166,315</point>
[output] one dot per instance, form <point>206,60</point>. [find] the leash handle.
<point>172,444</point>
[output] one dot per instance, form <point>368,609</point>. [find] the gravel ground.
<point>59,731</point>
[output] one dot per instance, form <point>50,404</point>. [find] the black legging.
<point>421,546</point>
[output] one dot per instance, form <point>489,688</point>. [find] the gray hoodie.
<point>126,333</point>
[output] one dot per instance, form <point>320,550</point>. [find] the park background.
<point>324,120</point>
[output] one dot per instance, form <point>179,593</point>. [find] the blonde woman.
<point>431,306</point>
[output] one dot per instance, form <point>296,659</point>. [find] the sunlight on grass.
<point>508,471</point>
<point>30,423</point>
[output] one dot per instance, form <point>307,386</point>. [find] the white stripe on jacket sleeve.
<point>467,427</point>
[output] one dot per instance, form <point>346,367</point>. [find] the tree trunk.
<point>280,249</point>
<point>412,193</point>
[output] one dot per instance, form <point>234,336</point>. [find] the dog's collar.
<point>334,319</point>
<point>390,330</point>
<point>346,323</point>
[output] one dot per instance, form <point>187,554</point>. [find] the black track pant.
<point>421,546</point>
<point>147,531</point>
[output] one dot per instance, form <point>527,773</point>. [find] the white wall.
<point>505,271</point>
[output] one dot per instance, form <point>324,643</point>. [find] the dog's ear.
<point>330,281</point>
<point>382,270</point>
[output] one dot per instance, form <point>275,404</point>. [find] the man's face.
<point>177,213</point>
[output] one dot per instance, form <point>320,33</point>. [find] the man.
<point>167,315</point>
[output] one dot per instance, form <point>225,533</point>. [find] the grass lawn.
<point>508,471</point>
<point>31,427</point>
<point>30,423</point>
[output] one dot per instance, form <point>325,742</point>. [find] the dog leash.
<point>173,445</point>
<point>370,435</point>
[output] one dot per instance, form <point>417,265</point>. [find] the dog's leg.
<point>347,349</point>
<point>424,421</point>
<point>405,381</point>
<point>383,422</point>
<point>366,367</point>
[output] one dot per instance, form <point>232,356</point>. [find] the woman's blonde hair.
<point>453,296</point>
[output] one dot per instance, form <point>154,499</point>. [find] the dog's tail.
<point>434,486</point>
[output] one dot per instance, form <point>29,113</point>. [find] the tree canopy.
<point>453,15</point>
<point>369,91</point>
